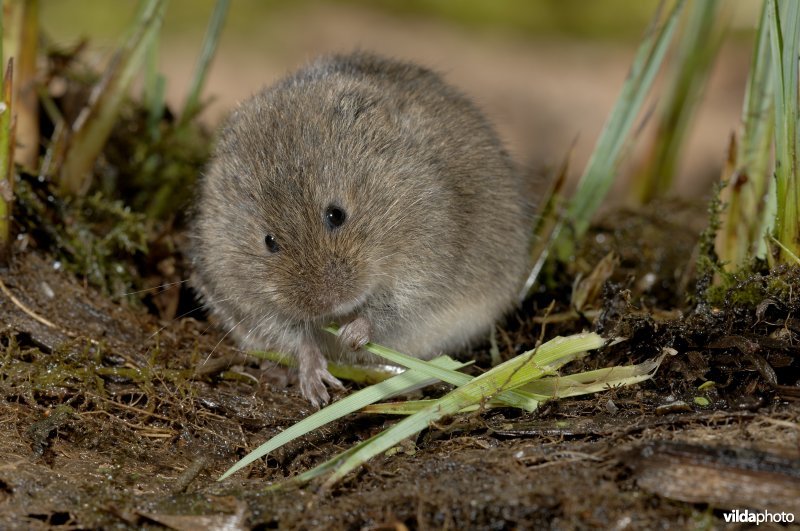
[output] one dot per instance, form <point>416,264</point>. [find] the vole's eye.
<point>334,216</point>
<point>271,243</point>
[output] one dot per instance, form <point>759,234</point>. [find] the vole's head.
<point>317,198</point>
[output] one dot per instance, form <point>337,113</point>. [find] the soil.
<point>111,421</point>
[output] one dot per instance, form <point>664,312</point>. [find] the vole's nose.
<point>339,284</point>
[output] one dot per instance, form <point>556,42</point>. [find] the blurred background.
<point>546,72</point>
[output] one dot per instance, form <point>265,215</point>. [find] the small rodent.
<point>362,191</point>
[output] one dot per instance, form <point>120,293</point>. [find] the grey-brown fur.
<point>434,246</point>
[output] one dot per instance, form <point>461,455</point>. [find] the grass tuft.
<point>784,32</point>
<point>697,48</point>
<point>88,134</point>
<point>604,162</point>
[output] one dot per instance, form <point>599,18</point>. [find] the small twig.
<point>28,311</point>
<point>189,475</point>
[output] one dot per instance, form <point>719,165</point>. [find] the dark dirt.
<point>111,421</point>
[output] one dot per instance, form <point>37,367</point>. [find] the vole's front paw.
<point>313,375</point>
<point>355,334</point>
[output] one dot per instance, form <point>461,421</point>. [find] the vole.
<point>362,191</point>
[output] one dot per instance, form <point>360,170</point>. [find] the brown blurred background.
<point>546,72</point>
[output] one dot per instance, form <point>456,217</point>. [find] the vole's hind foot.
<point>313,375</point>
<point>355,334</point>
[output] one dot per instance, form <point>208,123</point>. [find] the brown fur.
<point>434,246</point>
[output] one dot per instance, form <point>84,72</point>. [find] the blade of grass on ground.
<point>515,372</point>
<point>583,383</point>
<point>353,402</point>
<point>155,85</point>
<point>512,398</point>
<point>94,123</point>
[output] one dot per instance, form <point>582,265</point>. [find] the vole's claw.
<point>313,375</point>
<point>332,381</point>
<point>314,391</point>
<point>355,334</point>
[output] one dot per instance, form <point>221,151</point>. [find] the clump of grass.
<point>762,216</point>
<point>747,173</point>
<point>603,164</point>
<point>96,238</point>
<point>785,46</point>
<point>86,137</point>
<point>115,168</point>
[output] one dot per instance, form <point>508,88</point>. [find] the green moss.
<point>94,237</point>
<point>153,167</point>
<point>753,284</point>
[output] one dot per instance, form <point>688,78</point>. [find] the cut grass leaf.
<point>784,29</point>
<point>399,384</point>
<point>604,162</point>
<point>512,398</point>
<point>589,382</point>
<point>516,372</point>
<point>353,373</point>
<point>93,125</point>
<point>550,387</point>
<point>495,385</point>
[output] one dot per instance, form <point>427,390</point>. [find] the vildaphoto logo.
<point>738,516</point>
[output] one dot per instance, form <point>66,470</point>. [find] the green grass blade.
<point>697,48</point>
<point>26,102</point>
<point>785,47</point>
<point>210,43</point>
<point>154,93</point>
<point>747,218</point>
<point>409,407</point>
<point>756,144</point>
<point>339,409</point>
<point>604,161</point>
<point>790,256</point>
<point>6,159</point>
<point>95,122</point>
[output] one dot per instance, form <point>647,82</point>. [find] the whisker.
<point>222,339</point>
<point>181,316</point>
<point>167,285</point>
